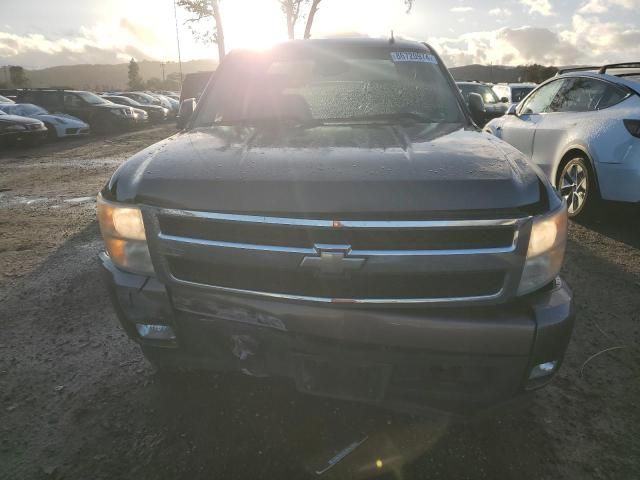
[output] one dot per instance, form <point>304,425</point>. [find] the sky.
<point>44,33</point>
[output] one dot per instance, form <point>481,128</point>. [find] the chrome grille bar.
<point>509,257</point>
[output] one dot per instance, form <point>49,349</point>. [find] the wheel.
<point>576,185</point>
<point>52,134</point>
<point>165,362</point>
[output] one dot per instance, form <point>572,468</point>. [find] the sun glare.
<point>258,28</point>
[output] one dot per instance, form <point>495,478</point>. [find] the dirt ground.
<point>78,401</point>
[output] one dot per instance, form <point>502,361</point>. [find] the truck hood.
<point>339,170</point>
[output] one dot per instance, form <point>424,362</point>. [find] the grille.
<point>376,261</point>
<point>357,285</point>
<point>300,236</point>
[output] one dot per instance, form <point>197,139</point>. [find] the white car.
<point>59,124</point>
<point>583,130</point>
<point>5,100</point>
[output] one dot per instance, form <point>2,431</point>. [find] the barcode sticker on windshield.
<point>419,57</point>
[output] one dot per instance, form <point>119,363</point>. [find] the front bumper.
<point>25,136</point>
<point>455,360</point>
<point>65,131</point>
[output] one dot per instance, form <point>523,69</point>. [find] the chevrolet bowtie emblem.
<point>332,260</point>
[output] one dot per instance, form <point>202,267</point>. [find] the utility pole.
<point>175,16</point>
<point>162,67</point>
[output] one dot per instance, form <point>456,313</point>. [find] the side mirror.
<point>504,100</point>
<point>187,107</point>
<point>512,110</point>
<point>476,104</point>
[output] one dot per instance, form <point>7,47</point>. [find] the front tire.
<point>576,185</point>
<point>52,133</point>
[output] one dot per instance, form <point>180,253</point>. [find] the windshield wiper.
<point>398,117</point>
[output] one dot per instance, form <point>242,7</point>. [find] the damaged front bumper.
<point>457,360</point>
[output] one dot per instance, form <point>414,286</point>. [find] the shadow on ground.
<point>618,221</point>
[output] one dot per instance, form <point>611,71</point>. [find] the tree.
<point>292,10</point>
<point>409,5</point>
<point>536,73</point>
<point>203,9</point>
<point>310,17</point>
<point>154,83</point>
<point>313,9</point>
<point>135,80</point>
<point>17,77</point>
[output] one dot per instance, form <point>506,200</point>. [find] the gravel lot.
<point>78,401</point>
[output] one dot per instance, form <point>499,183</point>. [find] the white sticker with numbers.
<point>418,57</point>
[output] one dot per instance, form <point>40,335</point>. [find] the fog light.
<point>543,370</point>
<point>155,332</point>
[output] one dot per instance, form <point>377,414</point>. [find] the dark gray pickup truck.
<point>331,214</point>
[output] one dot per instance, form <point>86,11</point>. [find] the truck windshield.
<point>91,98</point>
<point>357,85</point>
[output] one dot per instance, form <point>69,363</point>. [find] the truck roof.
<point>354,42</point>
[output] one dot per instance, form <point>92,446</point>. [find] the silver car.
<point>582,128</point>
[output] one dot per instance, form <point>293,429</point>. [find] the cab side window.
<point>540,101</point>
<point>49,100</point>
<point>71,100</point>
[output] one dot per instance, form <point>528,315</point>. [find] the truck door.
<point>76,106</point>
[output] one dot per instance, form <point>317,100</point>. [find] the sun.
<point>254,25</point>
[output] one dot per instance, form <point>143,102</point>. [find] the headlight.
<point>124,237</point>
<point>14,128</point>
<point>546,250</point>
<point>60,121</point>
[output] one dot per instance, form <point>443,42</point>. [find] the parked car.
<point>168,93</point>
<point>331,214</point>
<point>16,129</point>
<point>513,93</point>
<point>58,124</point>
<point>142,117</point>
<point>140,97</point>
<point>175,104</point>
<point>488,108</point>
<point>5,100</point>
<point>164,101</point>
<point>156,113</point>
<point>89,107</point>
<point>582,129</point>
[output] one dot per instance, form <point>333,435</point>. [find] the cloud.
<point>543,7</point>
<point>539,45</point>
<point>586,40</point>
<point>503,12</point>
<point>603,6</point>
<point>105,43</point>
<point>508,46</point>
<point>604,42</point>
<point>461,9</point>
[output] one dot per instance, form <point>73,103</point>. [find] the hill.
<point>108,77</point>
<point>501,73</point>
